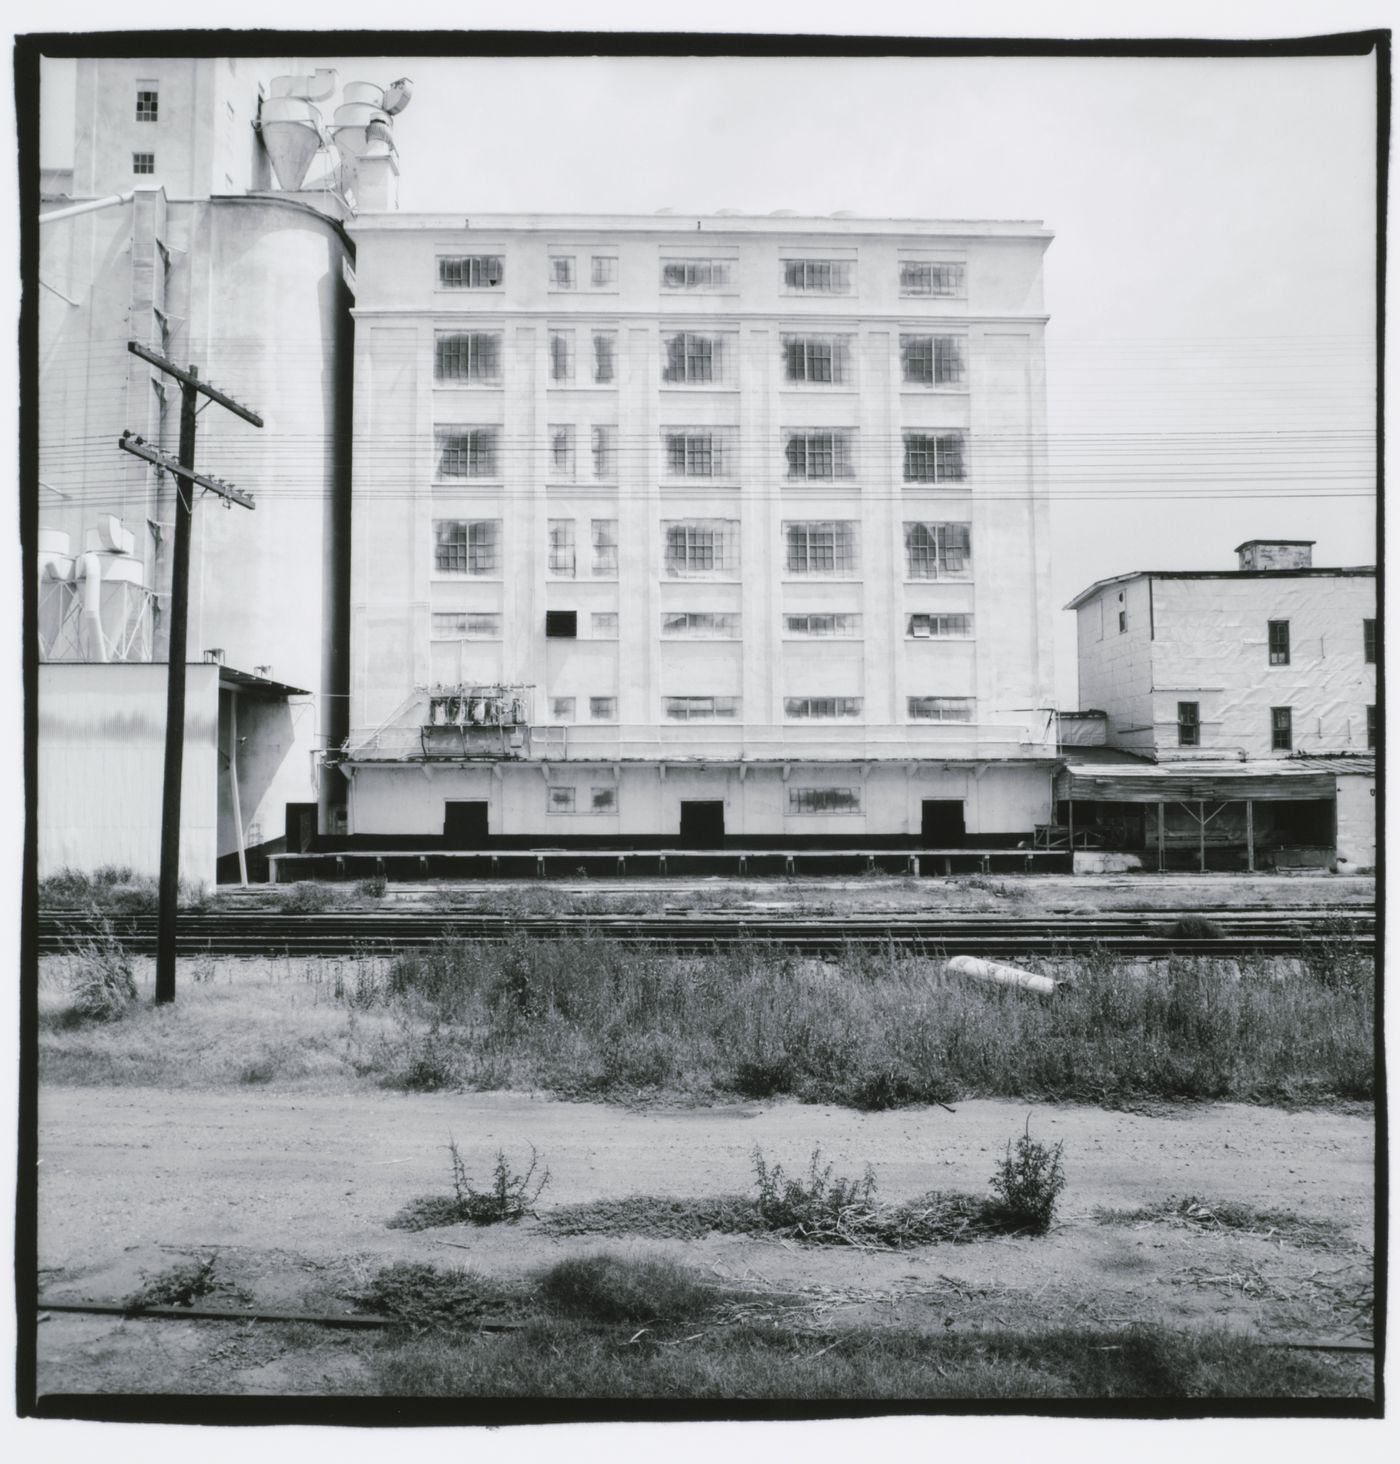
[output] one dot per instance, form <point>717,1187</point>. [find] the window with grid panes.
<point>940,627</point>
<point>561,271</point>
<point>821,708</point>
<point>694,274</point>
<point>1368,641</point>
<point>604,357</point>
<point>819,455</point>
<point>561,452</point>
<point>561,708</point>
<point>817,359</point>
<point>605,546</point>
<point>1278,643</point>
<point>469,271</point>
<point>700,548</point>
<point>467,452</point>
<point>934,457</point>
<point>823,800</point>
<point>604,270</point>
<point>821,548</point>
<point>561,546</point>
<point>604,444</point>
<point>939,708</point>
<point>692,454</point>
<point>700,624</point>
<point>700,708</point>
<point>465,625</point>
<point>143,162</point>
<point>929,360</point>
<point>837,626</point>
<point>691,359</point>
<point>1188,724</point>
<point>919,278</point>
<point>467,546</point>
<point>937,551</point>
<point>602,708</point>
<point>1371,727</point>
<point>817,276</point>
<point>603,625</point>
<point>561,355</point>
<point>147,105</point>
<point>467,356</point>
<point>604,800</point>
<point>1281,728</point>
<point>561,800</point>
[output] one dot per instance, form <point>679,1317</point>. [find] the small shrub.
<point>815,1206</point>
<point>1195,927</point>
<point>100,978</point>
<point>420,1062</point>
<point>512,1197</point>
<point>372,889</point>
<point>421,1297</point>
<point>1028,1181</point>
<point>307,898</point>
<point>617,1289</point>
<point>180,1285</point>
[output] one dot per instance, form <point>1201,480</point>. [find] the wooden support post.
<point>914,864</point>
<point>1161,837</point>
<point>1249,834</point>
<point>1201,815</point>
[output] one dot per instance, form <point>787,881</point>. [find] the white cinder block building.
<point>1254,689</point>
<point>679,527</point>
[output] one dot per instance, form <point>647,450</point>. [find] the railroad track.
<point>264,932</point>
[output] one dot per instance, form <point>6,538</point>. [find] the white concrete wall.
<point>101,767</point>
<point>1212,647</point>
<point>1115,666</point>
<point>410,800</point>
<point>1005,665</point>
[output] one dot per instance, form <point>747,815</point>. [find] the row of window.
<point>941,279</point>
<point>1281,642</point>
<point>1188,725</point>
<point>563,709</point>
<point>699,625</point>
<point>563,799</point>
<point>693,358</point>
<point>810,454</point>
<point>710,547</point>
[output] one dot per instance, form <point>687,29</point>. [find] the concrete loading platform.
<point>546,863</point>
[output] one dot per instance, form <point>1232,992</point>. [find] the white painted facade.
<point>1204,640</point>
<point>818,635</point>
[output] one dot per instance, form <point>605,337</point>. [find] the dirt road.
<point>294,1190</point>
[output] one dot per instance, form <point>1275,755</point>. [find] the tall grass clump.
<point>101,985</point>
<point>887,1028</point>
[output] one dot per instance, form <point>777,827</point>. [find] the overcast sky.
<point>1211,284</point>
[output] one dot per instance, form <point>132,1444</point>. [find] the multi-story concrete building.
<point>203,217</point>
<point>1250,685</point>
<point>698,527</point>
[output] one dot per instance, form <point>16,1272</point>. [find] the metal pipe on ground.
<point>998,975</point>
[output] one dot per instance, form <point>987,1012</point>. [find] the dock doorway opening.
<point>943,826</point>
<point>702,823</point>
<point>464,823</point>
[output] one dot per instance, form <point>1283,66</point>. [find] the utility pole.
<point>186,480</point>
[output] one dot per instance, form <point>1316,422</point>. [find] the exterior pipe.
<point>110,201</point>
<point>90,616</point>
<point>998,975</point>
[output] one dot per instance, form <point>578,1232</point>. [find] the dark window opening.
<point>942,824</point>
<point>1370,727</point>
<point>1368,640</point>
<point>1281,721</point>
<point>1188,724</point>
<point>1278,643</point>
<point>561,624</point>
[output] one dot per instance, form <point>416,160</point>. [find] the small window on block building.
<point>1371,727</point>
<point>1281,722</point>
<point>1188,724</point>
<point>1278,643</point>
<point>1368,641</point>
